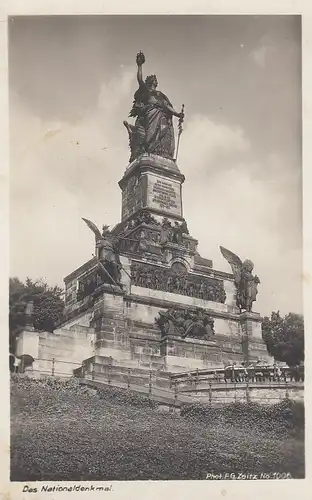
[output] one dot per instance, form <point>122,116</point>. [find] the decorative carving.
<point>150,234</point>
<point>158,278</point>
<point>173,234</point>
<point>143,239</point>
<point>179,268</point>
<point>143,217</point>
<point>153,129</point>
<point>194,323</point>
<point>107,253</point>
<point>166,231</point>
<point>246,284</point>
<point>177,233</point>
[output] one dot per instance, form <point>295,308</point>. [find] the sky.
<point>71,85</point>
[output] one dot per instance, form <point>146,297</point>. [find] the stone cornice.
<point>253,316</point>
<point>145,163</point>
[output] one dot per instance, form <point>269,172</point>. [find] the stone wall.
<point>60,352</point>
<point>265,395</point>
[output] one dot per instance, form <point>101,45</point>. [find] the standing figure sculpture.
<point>30,315</point>
<point>106,253</point>
<point>246,284</point>
<point>153,130</point>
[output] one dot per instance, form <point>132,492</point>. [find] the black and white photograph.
<point>156,318</point>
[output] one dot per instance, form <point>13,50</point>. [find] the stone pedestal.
<point>112,339</point>
<point>153,183</point>
<point>184,354</point>
<point>27,342</point>
<point>162,271</point>
<point>254,347</point>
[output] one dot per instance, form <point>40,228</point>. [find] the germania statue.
<point>153,129</point>
<point>246,284</point>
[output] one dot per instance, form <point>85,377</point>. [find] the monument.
<point>148,298</point>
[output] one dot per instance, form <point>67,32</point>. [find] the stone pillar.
<point>27,342</point>
<point>126,273</point>
<point>254,347</point>
<point>111,332</point>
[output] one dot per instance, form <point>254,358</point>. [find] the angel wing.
<point>235,263</point>
<point>93,228</point>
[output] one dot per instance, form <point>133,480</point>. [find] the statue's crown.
<point>150,79</point>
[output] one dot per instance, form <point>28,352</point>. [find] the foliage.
<point>124,397</point>
<point>284,337</point>
<point>48,304</point>
<point>60,431</point>
<point>279,417</point>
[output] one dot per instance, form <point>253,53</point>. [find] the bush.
<point>284,415</point>
<point>72,386</point>
<point>124,397</point>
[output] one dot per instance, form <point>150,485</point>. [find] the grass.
<point>59,432</point>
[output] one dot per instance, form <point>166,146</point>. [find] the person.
<point>229,373</point>
<point>244,373</point>
<point>217,376</point>
<point>12,363</point>
<point>278,374</point>
<point>153,130</point>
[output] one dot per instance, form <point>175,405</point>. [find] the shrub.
<point>284,415</point>
<point>124,397</point>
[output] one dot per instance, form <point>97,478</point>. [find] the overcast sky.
<point>72,81</point>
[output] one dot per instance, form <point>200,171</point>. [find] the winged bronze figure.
<point>106,249</point>
<point>246,284</point>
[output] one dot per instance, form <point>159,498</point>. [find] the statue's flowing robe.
<point>248,291</point>
<point>153,128</point>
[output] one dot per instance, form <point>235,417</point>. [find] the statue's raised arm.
<point>140,60</point>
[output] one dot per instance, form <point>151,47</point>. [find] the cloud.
<point>203,140</point>
<point>259,55</point>
<point>249,207</point>
<point>60,172</point>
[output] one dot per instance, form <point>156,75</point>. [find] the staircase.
<point>103,371</point>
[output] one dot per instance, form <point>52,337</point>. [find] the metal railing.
<point>254,374</point>
<point>168,385</point>
<point>51,370</point>
<point>172,389</point>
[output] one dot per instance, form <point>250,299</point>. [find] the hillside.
<point>60,431</point>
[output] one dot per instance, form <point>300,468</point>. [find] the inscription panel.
<point>164,194</point>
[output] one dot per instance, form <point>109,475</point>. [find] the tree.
<point>48,305</point>
<point>284,337</point>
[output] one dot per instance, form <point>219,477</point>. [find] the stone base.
<point>254,347</point>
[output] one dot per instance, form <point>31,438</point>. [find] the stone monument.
<point>153,296</point>
<point>147,297</point>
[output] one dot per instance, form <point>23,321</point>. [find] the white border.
<point>185,489</point>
